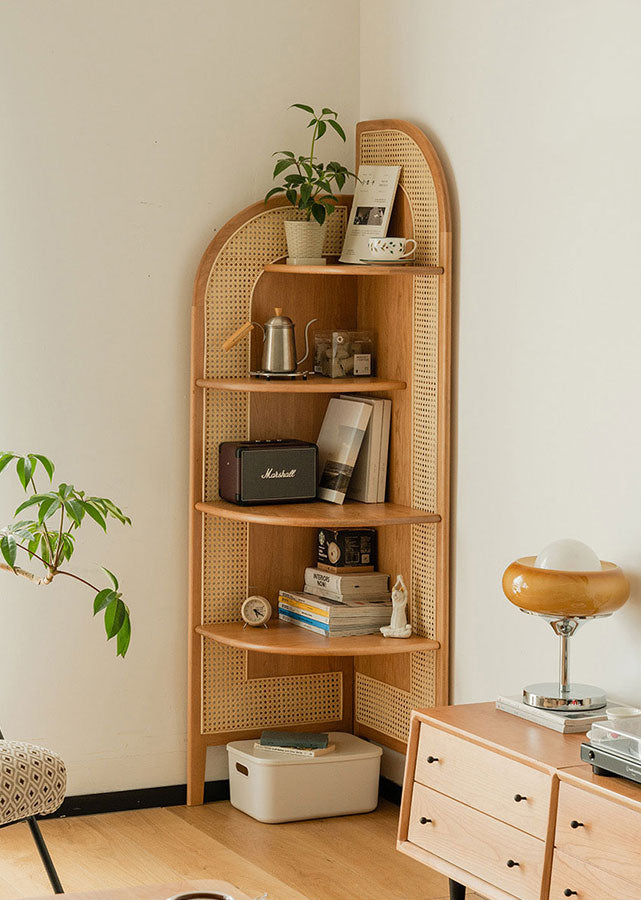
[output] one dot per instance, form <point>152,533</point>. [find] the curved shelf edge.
<point>288,640</point>
<point>347,269</point>
<point>314,385</point>
<point>320,514</point>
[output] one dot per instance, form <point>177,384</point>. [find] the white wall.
<point>131,131</point>
<point>534,107</point>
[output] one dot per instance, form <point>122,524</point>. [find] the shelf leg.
<point>196,760</point>
<point>457,891</point>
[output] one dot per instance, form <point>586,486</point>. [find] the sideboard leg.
<point>457,891</point>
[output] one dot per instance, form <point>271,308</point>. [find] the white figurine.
<point>398,627</point>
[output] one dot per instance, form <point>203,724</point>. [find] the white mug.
<point>391,248</point>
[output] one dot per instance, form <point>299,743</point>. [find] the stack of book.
<point>333,618</point>
<point>300,743</point>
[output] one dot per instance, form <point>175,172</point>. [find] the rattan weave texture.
<point>230,702</point>
<point>374,698</point>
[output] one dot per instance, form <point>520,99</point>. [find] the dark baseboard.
<point>389,790</point>
<point>170,795</point>
<point>141,798</point>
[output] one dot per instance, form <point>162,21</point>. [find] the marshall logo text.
<point>274,473</point>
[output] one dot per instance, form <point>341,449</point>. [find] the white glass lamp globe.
<point>568,555</point>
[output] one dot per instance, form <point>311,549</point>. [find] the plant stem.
<point>44,526</point>
<point>34,578</point>
<point>78,578</point>
<point>59,547</point>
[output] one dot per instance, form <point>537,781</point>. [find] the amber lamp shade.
<point>551,592</point>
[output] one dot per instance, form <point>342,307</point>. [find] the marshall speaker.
<point>253,472</point>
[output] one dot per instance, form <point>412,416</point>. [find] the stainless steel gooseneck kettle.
<point>279,344</point>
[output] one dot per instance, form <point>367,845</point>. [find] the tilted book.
<point>369,479</point>
<point>371,210</point>
<point>339,441</point>
<point>309,739</point>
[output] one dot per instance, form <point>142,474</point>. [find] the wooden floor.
<point>347,858</point>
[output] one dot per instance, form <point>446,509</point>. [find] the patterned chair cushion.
<point>32,781</point>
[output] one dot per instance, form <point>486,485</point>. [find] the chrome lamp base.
<point>574,698</point>
<point>564,695</point>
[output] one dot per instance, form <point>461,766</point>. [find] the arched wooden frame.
<point>370,695</point>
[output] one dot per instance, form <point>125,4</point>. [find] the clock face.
<point>256,610</point>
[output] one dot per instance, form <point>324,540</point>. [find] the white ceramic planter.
<point>305,242</point>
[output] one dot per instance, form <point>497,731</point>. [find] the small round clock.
<point>256,611</point>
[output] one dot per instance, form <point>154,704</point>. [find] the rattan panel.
<point>230,702</point>
<point>382,706</point>
<point>374,699</point>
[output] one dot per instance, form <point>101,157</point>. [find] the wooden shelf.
<point>316,384</point>
<point>344,269</point>
<point>320,514</point>
<point>288,640</point>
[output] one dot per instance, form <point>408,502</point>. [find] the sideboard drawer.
<point>499,854</point>
<point>488,781</point>
<point>589,882</point>
<point>599,831</point>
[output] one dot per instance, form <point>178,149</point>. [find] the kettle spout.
<point>311,322</point>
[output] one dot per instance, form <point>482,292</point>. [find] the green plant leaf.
<point>114,617</point>
<point>32,546</point>
<point>294,179</point>
<point>322,128</point>
<point>47,508</point>
<point>9,549</point>
<point>103,598</point>
<point>74,510</point>
<point>35,498</point>
<point>337,128</point>
<point>292,196</point>
<point>302,106</point>
<point>276,190</point>
<point>95,514</point>
<point>65,491</point>
<point>124,637</point>
<point>305,194</point>
<point>281,165</point>
<point>318,213</point>
<point>46,463</point>
<point>329,112</point>
<point>5,459</point>
<point>284,153</point>
<point>23,469</point>
<point>111,575</point>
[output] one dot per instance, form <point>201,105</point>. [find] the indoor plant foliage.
<point>310,186</point>
<point>50,538</point>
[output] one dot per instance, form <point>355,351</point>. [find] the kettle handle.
<point>239,334</point>
<point>311,322</point>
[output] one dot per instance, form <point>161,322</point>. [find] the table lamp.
<point>566,584</point>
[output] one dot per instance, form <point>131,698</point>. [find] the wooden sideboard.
<point>506,808</point>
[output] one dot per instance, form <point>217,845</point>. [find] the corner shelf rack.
<point>244,680</point>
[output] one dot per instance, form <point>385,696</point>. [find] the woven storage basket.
<point>305,239</point>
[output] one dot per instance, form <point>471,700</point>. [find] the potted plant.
<point>310,188</point>
<point>50,538</point>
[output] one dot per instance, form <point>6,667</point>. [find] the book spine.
<point>296,619</point>
<point>342,598</point>
<point>382,472</point>
<point>309,601</point>
<point>323,580</point>
<point>303,610</point>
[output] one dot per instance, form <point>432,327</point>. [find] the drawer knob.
<point>568,893</point>
<point>424,821</point>
<point>519,797</point>
<point>575,824</point>
<point>511,863</point>
<point>432,759</point>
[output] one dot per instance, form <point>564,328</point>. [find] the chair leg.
<point>457,891</point>
<point>45,856</point>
